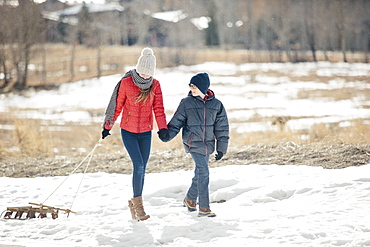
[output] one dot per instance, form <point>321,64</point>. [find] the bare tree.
<point>23,29</point>
<point>84,25</point>
<point>309,17</point>
<point>341,27</point>
<point>212,32</point>
<point>3,48</point>
<point>142,15</point>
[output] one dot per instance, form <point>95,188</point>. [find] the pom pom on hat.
<point>146,63</point>
<point>147,52</point>
<point>201,81</point>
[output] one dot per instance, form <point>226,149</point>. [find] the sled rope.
<point>83,175</point>
<point>74,170</point>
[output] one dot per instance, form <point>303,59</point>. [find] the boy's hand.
<point>219,155</point>
<point>163,135</point>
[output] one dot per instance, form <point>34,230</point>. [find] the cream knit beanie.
<point>146,63</point>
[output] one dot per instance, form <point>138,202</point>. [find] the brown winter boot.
<point>132,210</point>
<point>191,205</point>
<point>139,213</point>
<point>206,212</point>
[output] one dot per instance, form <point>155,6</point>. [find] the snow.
<point>170,16</point>
<point>92,8</point>
<point>201,22</point>
<point>68,15</point>
<point>75,1</point>
<point>264,206</point>
<point>243,95</point>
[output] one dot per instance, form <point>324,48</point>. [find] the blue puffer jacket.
<point>204,121</point>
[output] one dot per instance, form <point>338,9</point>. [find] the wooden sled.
<point>30,211</point>
<point>41,209</point>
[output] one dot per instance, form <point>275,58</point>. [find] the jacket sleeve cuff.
<point>222,147</point>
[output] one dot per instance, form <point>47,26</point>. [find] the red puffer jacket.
<point>138,117</point>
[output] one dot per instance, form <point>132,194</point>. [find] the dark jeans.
<point>138,147</point>
<point>199,186</point>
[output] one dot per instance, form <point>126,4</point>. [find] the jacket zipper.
<point>190,139</point>
<point>204,127</point>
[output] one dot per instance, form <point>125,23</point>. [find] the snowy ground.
<point>265,206</point>
<point>244,94</point>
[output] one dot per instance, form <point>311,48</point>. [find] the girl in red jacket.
<point>137,96</point>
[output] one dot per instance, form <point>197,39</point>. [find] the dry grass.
<point>335,94</point>
<point>35,137</point>
<point>357,133</point>
<point>51,65</point>
<point>31,139</point>
<point>40,148</point>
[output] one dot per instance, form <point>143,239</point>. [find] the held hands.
<point>163,135</point>
<point>105,133</point>
<point>219,155</point>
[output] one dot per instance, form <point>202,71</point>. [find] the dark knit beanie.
<point>201,81</point>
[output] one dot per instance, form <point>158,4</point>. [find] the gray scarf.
<point>139,81</point>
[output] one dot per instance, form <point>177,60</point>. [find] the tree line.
<point>284,26</point>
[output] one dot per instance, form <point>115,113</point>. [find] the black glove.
<point>163,134</point>
<point>219,155</point>
<point>105,133</point>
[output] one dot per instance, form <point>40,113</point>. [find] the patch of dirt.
<point>329,156</point>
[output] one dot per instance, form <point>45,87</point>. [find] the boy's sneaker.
<point>191,205</point>
<point>206,212</point>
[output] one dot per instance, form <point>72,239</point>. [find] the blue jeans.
<point>138,147</point>
<point>199,186</point>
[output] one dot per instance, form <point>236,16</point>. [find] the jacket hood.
<point>209,95</point>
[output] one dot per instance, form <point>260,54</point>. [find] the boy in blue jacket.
<point>205,128</point>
